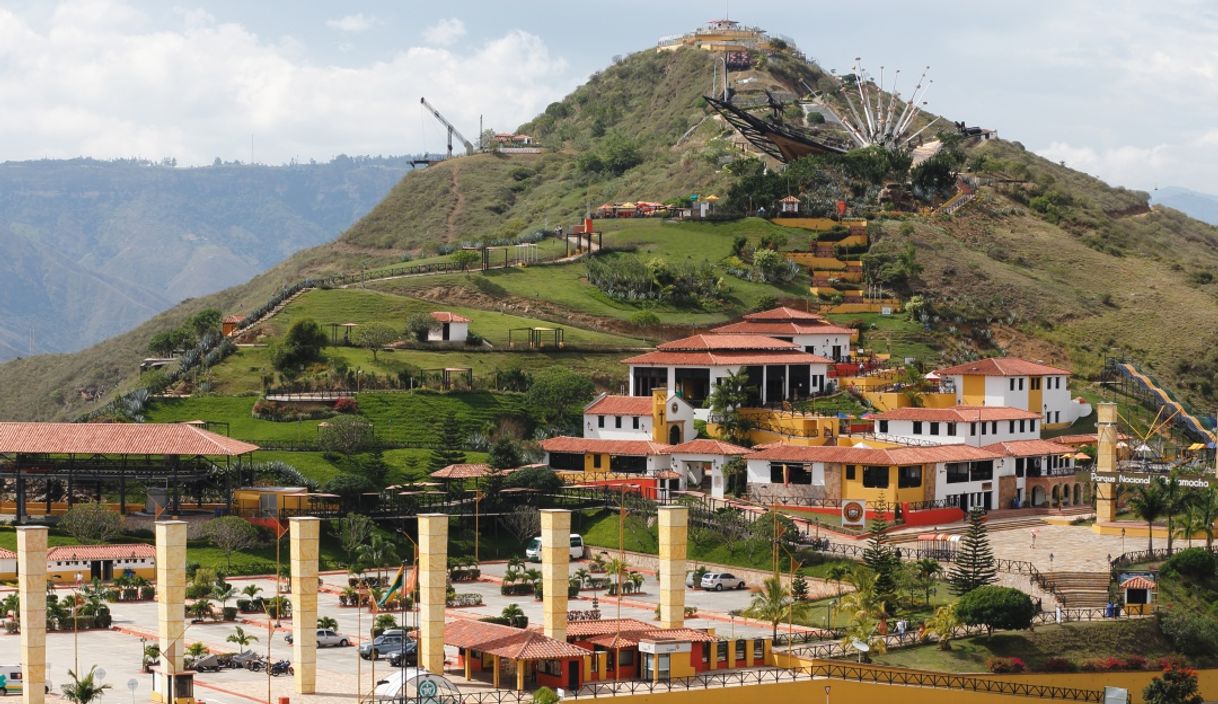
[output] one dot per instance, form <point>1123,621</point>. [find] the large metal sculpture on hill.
<point>879,118</point>
<point>776,139</point>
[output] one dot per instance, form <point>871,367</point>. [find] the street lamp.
<point>76,624</point>
<point>827,689</point>
<point>143,651</point>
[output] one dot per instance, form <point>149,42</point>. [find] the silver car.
<point>327,638</point>
<point>718,581</point>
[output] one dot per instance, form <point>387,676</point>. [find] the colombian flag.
<point>394,587</point>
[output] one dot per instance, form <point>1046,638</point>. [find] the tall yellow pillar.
<point>171,595</point>
<point>555,570</point>
<point>32,612</point>
<point>305,542</point>
<point>520,675</point>
<point>1105,462</point>
<point>495,671</point>
<point>674,536</point>
<point>433,578</point>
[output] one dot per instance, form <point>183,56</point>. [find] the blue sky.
<point>1124,90</point>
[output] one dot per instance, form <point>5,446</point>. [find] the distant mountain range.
<point>89,249</point>
<point>1201,206</point>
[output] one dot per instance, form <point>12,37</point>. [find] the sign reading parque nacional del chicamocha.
<point>1116,478</point>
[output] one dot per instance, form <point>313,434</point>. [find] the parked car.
<point>327,638</point>
<point>533,551</point>
<point>406,656</point>
<point>13,680</point>
<point>387,642</point>
<point>718,581</point>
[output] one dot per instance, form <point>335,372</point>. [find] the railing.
<point>839,671</point>
<point>1136,556</point>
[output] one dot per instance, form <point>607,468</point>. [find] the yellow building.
<point>1016,383</point>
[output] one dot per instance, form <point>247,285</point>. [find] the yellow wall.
<point>877,307</point>
<point>1036,403</point>
<point>890,400</point>
<point>854,489</point>
<point>589,460</point>
<point>974,390</point>
<point>841,692</point>
<point>805,223</point>
<point>818,263</point>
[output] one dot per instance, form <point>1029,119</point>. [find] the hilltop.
<point>89,249</point>
<point>1044,262</point>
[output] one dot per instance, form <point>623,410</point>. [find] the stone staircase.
<point>992,525</point>
<point>1079,590</point>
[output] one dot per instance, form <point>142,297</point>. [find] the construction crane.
<point>469,147</point>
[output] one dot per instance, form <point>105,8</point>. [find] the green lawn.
<point>373,306</point>
<point>1077,642</point>
<point>236,411</point>
<point>892,334</point>
<point>547,248</point>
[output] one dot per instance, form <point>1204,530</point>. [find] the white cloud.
<point>358,22</point>
<point>80,84</point>
<point>446,32</point>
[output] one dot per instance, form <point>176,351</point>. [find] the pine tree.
<point>799,587</point>
<point>974,559</point>
<point>879,556</point>
<point>448,447</point>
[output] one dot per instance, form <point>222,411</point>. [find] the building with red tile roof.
<point>484,646</point>
<point>659,417</point>
<point>968,425</point>
<point>448,327</point>
<point>1016,383</point>
<point>809,331</point>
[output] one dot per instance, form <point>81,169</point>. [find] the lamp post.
<point>76,624</point>
<point>143,652</point>
<point>827,690</point>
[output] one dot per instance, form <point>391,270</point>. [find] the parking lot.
<point>118,651</point>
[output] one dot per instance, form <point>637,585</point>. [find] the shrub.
<point>1056,664</point>
<point>1189,633</point>
<point>644,319</point>
<point>996,607</point>
<point>346,404</point>
<point>1197,563</point>
<point>1004,665</point>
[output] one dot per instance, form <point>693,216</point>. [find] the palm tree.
<point>1174,499</point>
<point>864,602</point>
<point>11,606</point>
<point>251,590</point>
<point>82,690</point>
<point>944,624</point>
<point>513,613</point>
<point>377,552</point>
<point>201,609</point>
<point>583,575</point>
<point>837,575</point>
<point>617,569</point>
<point>533,577</point>
<point>327,623</point>
<point>635,580</point>
<point>1149,502</point>
<point>240,638</point>
<point>1204,506</point>
<point>774,603</point>
<point>862,629</point>
<point>196,651</point>
<point>222,593</point>
<point>927,570</point>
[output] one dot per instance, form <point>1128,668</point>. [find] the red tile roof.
<point>704,446</point>
<point>1002,366</point>
<point>508,642</point>
<point>964,414</point>
<point>465,471</point>
<point>609,625</point>
<point>699,343</point>
<point>876,456</point>
<point>1029,448</point>
<point>633,448</point>
<point>608,405</point>
<point>785,313</point>
<point>446,317</point>
<point>747,327</point>
<point>102,552</point>
<point>1138,582</point>
<point>726,358</point>
<point>178,439</point>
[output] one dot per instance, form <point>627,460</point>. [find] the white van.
<point>533,551</point>
<point>13,680</point>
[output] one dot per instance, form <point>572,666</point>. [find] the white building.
<point>1017,383</point>
<point>690,367</point>
<point>968,425</point>
<point>699,464</point>
<point>604,456</point>
<point>448,327</point>
<point>634,417</point>
<point>810,331</point>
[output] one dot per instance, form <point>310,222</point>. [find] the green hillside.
<point>1046,262</point>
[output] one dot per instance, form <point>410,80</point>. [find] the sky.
<point>1123,90</point>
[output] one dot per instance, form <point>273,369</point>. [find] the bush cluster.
<point>1000,666</point>
<point>628,279</point>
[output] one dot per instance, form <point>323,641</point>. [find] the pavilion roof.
<point>173,439</point>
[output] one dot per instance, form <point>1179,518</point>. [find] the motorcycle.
<point>283,667</point>
<point>257,665</point>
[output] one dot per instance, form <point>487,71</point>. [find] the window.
<point>627,657</point>
<point>1021,425</point>
<point>1012,380</point>
<point>909,477</point>
<point>1021,383</point>
<point>1019,466</point>
<point>628,463</point>
<point>1032,426</point>
<point>982,471</point>
<point>600,421</point>
<point>917,428</point>
<point>883,426</point>
<point>596,460</point>
<point>758,650</point>
<point>551,667</point>
<point>934,428</point>
<point>635,422</point>
<point>721,651</point>
<point>739,651</point>
<point>571,461</point>
<point>1011,429</point>
<point>972,428</point>
<point>850,472</point>
<point>983,426</point>
<point>795,473</point>
<point>617,421</point>
<point>994,428</point>
<point>951,428</point>
<point>957,472</point>
<point>875,477</point>
<point>1035,383</point>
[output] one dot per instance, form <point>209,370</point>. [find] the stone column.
<point>171,593</point>
<point>555,570</point>
<point>1105,462</point>
<point>674,532</point>
<point>305,538</point>
<point>32,613</point>
<point>433,577</point>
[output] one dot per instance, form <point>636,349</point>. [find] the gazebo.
<point>466,471</point>
<point>536,336</point>
<point>1139,594</point>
